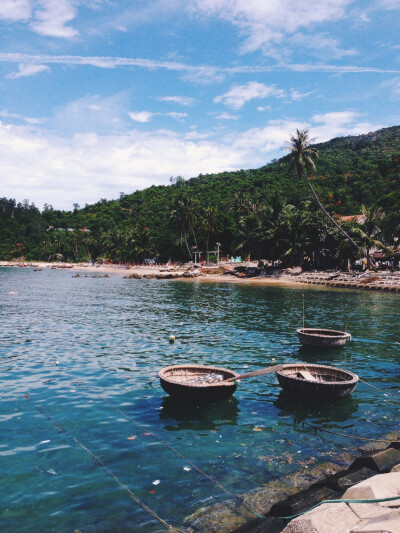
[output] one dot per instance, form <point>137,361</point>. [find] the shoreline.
<point>379,281</point>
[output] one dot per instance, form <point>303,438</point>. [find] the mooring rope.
<point>199,470</point>
<point>376,500</point>
<point>297,421</point>
<point>109,472</point>
<point>385,391</point>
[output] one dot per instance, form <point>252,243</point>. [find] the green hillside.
<point>247,211</point>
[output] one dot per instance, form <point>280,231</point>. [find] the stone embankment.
<point>371,476</point>
<point>378,281</point>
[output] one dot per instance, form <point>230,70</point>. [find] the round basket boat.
<point>317,381</point>
<point>198,383</point>
<point>322,338</point>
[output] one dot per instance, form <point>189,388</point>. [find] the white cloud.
<point>389,4</point>
<point>267,23</point>
<point>394,85</point>
<point>199,74</point>
<point>264,108</point>
<point>227,116</point>
<point>320,45</point>
<point>15,10</point>
<point>28,120</point>
<point>29,69</point>
<point>141,116</point>
<point>175,115</point>
<point>182,100</point>
<point>86,167</point>
<point>297,95</point>
<point>51,17</point>
<point>146,116</point>
<point>329,125</point>
<point>240,94</point>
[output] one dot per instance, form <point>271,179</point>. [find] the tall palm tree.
<point>301,158</point>
<point>209,223</point>
<point>370,230</point>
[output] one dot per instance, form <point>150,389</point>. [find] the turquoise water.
<point>109,337</point>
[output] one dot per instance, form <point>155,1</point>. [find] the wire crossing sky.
<point>101,97</point>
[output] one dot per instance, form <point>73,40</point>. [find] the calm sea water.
<point>85,351</point>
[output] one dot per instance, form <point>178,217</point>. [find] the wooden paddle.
<point>261,372</point>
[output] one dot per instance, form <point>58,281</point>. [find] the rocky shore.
<point>373,475</point>
<point>254,273</point>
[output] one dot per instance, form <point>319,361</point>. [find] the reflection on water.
<point>306,409</point>
<point>178,416</point>
<point>86,350</point>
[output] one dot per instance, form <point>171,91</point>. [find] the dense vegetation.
<point>266,212</point>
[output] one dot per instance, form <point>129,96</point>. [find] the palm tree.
<point>301,158</point>
<point>209,223</point>
<point>370,229</point>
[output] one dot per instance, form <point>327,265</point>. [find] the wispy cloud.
<point>227,116</point>
<point>29,69</point>
<point>240,94</point>
<point>265,24</point>
<point>85,167</point>
<point>15,10</point>
<point>394,85</point>
<point>51,17</point>
<point>182,100</point>
<point>192,72</point>
<point>28,120</point>
<point>45,17</point>
<point>146,116</point>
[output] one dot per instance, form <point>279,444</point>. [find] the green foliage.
<point>266,212</point>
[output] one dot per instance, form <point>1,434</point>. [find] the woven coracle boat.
<point>317,381</point>
<point>322,338</point>
<point>198,383</point>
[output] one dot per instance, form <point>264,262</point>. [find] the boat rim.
<point>353,378</point>
<point>315,332</point>
<point>162,374</point>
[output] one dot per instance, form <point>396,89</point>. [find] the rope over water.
<point>297,421</point>
<point>109,472</point>
<point>201,472</point>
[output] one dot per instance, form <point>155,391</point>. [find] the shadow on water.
<point>305,408</point>
<point>315,355</point>
<point>206,416</point>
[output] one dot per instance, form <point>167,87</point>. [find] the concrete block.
<point>382,523</point>
<point>382,461</point>
<point>346,478</point>
<point>379,486</point>
<point>327,518</point>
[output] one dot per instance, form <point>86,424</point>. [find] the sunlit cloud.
<point>265,24</point>
<point>200,74</point>
<point>227,116</point>
<point>85,167</point>
<point>27,70</point>
<point>15,10</point>
<point>181,100</point>
<point>146,116</point>
<point>238,95</point>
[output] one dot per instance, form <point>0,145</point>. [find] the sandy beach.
<point>246,273</point>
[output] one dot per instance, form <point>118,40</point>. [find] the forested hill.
<point>168,220</point>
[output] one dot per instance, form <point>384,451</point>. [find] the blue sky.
<point>107,96</point>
